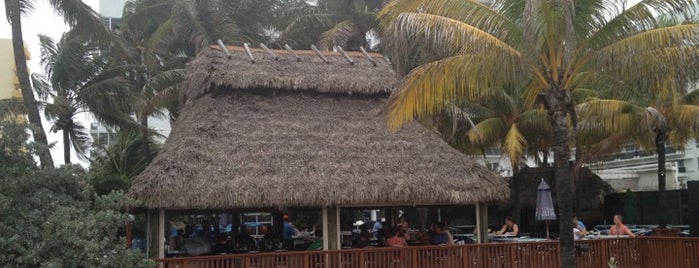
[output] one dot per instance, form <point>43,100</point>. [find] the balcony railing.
<point>627,252</point>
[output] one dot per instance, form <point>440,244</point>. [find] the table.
<point>590,237</point>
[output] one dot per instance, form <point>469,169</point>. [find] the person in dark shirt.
<point>222,246</point>
<point>440,236</point>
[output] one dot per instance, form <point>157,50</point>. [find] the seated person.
<point>318,243</point>
<point>619,228</point>
<point>364,238</point>
<point>222,246</point>
<point>404,229</point>
<point>395,239</point>
<point>577,233</point>
<point>289,232</point>
<point>439,235</point>
<point>579,225</point>
<point>510,228</point>
<point>206,232</point>
<point>245,242</point>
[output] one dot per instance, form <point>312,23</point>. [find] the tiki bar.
<point>278,135</point>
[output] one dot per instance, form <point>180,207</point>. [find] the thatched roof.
<point>268,146</point>
<point>590,189</point>
<point>212,69</point>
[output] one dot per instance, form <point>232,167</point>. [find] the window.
<point>680,166</point>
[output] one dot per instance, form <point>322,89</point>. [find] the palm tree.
<point>331,23</point>
<point>73,82</point>
<point>500,121</point>
<point>156,40</point>
<point>549,47</point>
<point>76,14</point>
<point>671,116</point>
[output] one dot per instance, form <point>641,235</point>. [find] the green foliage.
<point>53,218</point>
<point>114,166</point>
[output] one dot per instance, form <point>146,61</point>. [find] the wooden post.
<point>224,48</point>
<point>367,56</point>
<point>269,51</point>
<point>247,49</point>
<point>291,51</point>
<point>482,222</point>
<point>161,233</point>
<point>333,233</point>
<point>324,213</point>
<point>320,55</point>
<point>149,233</point>
<point>344,54</point>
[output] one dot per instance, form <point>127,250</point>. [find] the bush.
<point>53,218</point>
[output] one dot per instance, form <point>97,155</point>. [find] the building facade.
<point>9,83</point>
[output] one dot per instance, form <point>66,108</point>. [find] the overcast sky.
<point>43,21</point>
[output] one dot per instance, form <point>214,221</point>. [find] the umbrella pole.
<point>547,230</point>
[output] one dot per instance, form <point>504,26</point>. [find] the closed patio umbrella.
<point>544,205</point>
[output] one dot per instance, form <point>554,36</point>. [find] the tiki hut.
<point>590,189</point>
<point>280,128</point>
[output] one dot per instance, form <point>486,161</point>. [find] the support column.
<point>324,215</point>
<point>482,222</point>
<point>149,233</point>
<point>333,234</point>
<point>161,233</point>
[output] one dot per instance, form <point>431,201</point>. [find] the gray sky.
<point>43,21</point>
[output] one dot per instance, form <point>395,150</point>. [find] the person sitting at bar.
<point>395,238</point>
<point>619,228</point>
<point>579,225</point>
<point>206,232</point>
<point>440,236</point>
<point>577,233</point>
<point>404,228</point>
<point>318,243</point>
<point>364,238</point>
<point>290,231</point>
<point>510,228</point>
<point>222,246</point>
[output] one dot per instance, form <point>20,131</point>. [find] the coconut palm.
<point>77,15</point>
<point>156,40</point>
<point>500,121</point>
<point>73,82</point>
<point>549,47</point>
<point>672,116</point>
<point>331,23</point>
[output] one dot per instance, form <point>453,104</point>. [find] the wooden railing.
<point>627,252</point>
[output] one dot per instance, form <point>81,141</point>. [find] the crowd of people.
<point>208,239</point>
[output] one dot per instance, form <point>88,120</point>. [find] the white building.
<point>631,169</point>
<point>111,12</point>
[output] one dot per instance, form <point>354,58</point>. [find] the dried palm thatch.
<point>590,189</point>
<point>213,69</point>
<point>251,142</point>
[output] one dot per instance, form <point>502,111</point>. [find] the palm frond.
<point>514,145</point>
<point>338,35</point>
<point>445,34</point>
<point>470,12</point>
<point>428,88</point>
<point>489,132</point>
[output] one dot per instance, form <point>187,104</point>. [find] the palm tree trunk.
<point>27,93</point>
<point>66,146</point>
<point>557,102</point>
<point>145,135</point>
<point>516,202</point>
<point>660,139</point>
<point>561,155</point>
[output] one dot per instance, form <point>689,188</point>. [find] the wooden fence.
<point>627,252</point>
